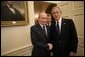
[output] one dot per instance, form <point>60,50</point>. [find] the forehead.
<point>55,9</point>
<point>43,15</point>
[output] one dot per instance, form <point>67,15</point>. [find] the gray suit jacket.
<point>39,41</point>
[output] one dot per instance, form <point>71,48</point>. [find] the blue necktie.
<point>57,27</point>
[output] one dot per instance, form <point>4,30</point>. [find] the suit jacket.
<point>39,41</point>
<point>67,40</point>
<point>7,14</point>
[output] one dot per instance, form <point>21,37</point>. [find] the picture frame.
<point>16,20</point>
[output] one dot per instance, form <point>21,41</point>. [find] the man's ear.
<point>38,17</point>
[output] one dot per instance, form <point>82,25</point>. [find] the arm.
<point>74,38</point>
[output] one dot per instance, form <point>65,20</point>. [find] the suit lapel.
<point>41,30</point>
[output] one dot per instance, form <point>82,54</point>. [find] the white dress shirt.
<point>60,22</point>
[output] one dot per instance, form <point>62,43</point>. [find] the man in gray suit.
<point>40,37</point>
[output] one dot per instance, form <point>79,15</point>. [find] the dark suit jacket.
<point>39,41</point>
<point>7,14</point>
<point>67,40</point>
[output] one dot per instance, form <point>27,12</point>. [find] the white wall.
<point>17,37</point>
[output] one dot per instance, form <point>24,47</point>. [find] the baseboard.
<point>19,51</point>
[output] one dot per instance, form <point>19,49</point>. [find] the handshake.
<point>50,46</point>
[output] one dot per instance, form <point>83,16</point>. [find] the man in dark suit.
<point>49,20</point>
<point>63,34</point>
<point>40,37</point>
<point>9,13</point>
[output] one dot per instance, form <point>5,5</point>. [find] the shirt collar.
<point>41,25</point>
<point>59,20</point>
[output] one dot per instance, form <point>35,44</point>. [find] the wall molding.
<point>80,36</point>
<point>21,51</point>
<point>81,41</point>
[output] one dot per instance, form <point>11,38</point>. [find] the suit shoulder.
<point>34,27</point>
<point>68,20</point>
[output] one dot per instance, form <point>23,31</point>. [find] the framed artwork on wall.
<point>14,13</point>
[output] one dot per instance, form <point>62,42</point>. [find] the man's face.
<point>43,18</point>
<point>49,18</point>
<point>56,13</point>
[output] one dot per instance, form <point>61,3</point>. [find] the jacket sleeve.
<point>74,38</point>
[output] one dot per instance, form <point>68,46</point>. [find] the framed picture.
<point>14,13</point>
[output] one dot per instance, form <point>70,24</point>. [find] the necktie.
<point>44,28</point>
<point>57,27</point>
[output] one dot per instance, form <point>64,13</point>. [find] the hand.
<point>50,46</point>
<point>72,54</point>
